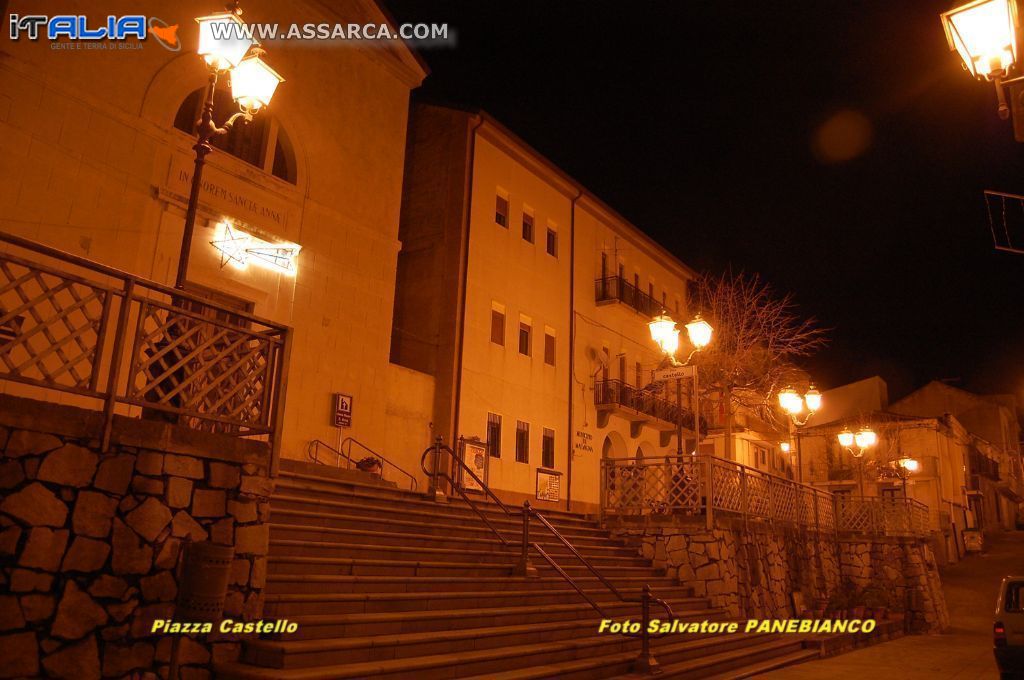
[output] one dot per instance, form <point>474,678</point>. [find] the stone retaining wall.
<point>752,569</point>
<point>89,540</point>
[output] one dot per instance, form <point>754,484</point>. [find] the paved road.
<point>963,653</point>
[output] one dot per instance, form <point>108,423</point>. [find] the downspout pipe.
<point>570,429</point>
<point>464,277</point>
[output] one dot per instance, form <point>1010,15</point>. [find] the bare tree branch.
<point>758,340</point>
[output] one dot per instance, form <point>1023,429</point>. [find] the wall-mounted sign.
<point>474,455</point>
<point>673,373</point>
<point>584,442</point>
<point>549,485</point>
<point>342,412</point>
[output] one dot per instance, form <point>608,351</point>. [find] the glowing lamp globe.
<point>664,333</point>
<point>785,447</point>
<point>790,401</point>
<point>866,438</point>
<point>845,438</point>
<point>253,83</point>
<point>984,33</point>
<point>700,332</point>
<point>221,41</point>
<point>813,399</point>
<point>909,464</point>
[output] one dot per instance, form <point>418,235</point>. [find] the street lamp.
<point>224,46</point>
<point>666,335</point>
<point>865,438</point>
<point>794,404</point>
<point>984,33</point>
<point>908,466</point>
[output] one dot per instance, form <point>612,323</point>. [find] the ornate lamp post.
<point>666,335</point>
<point>984,33</point>
<point>223,46</point>
<point>793,404</point>
<point>865,438</point>
<point>905,467</point>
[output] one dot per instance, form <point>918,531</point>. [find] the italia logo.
<point>78,27</point>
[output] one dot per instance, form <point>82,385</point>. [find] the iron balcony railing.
<point>617,289</point>
<point>617,393</point>
<point>706,485</point>
<point>73,325</point>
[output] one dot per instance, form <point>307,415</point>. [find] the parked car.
<point>1008,629</point>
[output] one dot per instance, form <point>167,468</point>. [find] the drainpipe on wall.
<point>463,278</point>
<point>570,430</point>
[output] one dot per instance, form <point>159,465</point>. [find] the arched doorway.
<point>614,446</point>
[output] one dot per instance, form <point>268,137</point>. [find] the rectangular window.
<point>549,348</point>
<point>639,375</point>
<point>501,210</point>
<point>650,290</point>
<point>552,242</point>
<point>528,227</point>
<point>498,327</point>
<point>494,435</point>
<point>524,338</point>
<point>548,449</point>
<point>522,442</point>
<point>636,282</point>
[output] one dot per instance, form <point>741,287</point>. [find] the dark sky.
<point>697,120</point>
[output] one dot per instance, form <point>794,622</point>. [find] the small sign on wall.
<point>474,455</point>
<point>342,412</point>
<point>584,442</point>
<point>549,485</point>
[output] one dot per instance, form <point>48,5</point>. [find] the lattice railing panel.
<point>784,501</point>
<point>758,500</point>
<point>655,486</point>
<point>726,487</point>
<point>217,374</point>
<point>50,326</point>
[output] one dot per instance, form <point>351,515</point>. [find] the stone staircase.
<point>385,584</point>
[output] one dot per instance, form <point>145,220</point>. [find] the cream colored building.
<point>96,159</point>
<point>528,299</point>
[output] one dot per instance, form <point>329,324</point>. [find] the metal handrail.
<point>645,661</point>
<point>313,450</point>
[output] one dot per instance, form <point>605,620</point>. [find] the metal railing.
<point>706,485</point>
<point>619,393</point>
<point>615,288</point>
<point>72,325</point>
<point>443,476</point>
<point>344,453</point>
<point>881,516</point>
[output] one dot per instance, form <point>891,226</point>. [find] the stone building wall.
<point>89,540</point>
<point>752,569</point>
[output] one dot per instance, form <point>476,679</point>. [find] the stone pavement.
<point>962,653</point>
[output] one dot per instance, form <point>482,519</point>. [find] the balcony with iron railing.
<point>123,344</point>
<point>616,289</point>
<point>640,404</point>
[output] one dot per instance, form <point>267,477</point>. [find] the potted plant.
<point>370,465</point>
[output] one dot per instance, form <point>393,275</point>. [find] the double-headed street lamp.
<point>793,403</point>
<point>665,333</point>
<point>224,47</point>
<point>864,439</point>
<point>905,467</point>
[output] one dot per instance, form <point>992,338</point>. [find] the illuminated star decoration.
<point>239,249</point>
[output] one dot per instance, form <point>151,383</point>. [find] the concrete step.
<point>318,626</point>
<point>773,651</point>
<point>331,651</point>
<point>311,488</point>
<point>372,536</point>
<point>771,664</point>
<point>322,516</point>
<point>498,555</point>
<point>286,605</point>
<point>493,662</point>
<point>325,583</point>
<point>436,566</point>
<point>320,470</point>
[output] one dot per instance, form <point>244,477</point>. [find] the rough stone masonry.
<point>89,540</point>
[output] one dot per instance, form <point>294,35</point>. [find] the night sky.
<point>717,127</point>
